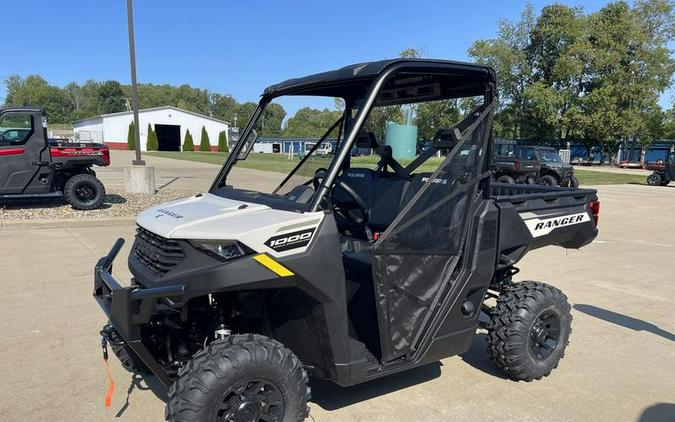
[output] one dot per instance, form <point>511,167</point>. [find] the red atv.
<point>664,173</point>
<point>32,166</point>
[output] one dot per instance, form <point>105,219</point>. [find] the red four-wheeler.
<point>666,174</point>
<point>32,166</point>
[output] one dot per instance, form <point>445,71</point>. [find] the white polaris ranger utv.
<point>346,268</point>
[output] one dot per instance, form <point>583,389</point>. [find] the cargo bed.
<point>533,216</point>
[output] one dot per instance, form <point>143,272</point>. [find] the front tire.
<point>529,330</point>
<point>241,378</point>
<point>84,192</point>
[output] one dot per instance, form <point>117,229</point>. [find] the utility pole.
<point>134,88</point>
<point>138,178</point>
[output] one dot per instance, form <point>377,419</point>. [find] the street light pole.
<point>134,88</point>
<point>138,178</point>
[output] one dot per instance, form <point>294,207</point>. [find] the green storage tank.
<point>402,139</point>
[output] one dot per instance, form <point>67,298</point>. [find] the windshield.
<point>549,156</point>
<point>283,152</point>
<point>284,160</point>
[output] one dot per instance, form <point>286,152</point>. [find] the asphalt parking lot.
<point>620,364</point>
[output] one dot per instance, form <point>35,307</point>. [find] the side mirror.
<point>248,145</point>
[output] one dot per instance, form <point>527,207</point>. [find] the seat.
<point>387,197</point>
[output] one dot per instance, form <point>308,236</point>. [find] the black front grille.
<point>157,253</point>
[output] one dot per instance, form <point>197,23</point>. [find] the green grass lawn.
<point>589,177</point>
<point>281,163</point>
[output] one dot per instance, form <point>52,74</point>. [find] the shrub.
<point>153,143</point>
<point>131,136</point>
<point>188,145</point>
<point>222,142</point>
<point>205,142</point>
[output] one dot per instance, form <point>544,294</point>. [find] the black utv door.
<point>416,259</point>
<point>22,143</point>
<point>670,166</point>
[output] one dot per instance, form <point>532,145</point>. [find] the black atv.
<point>665,174</point>
<point>355,273</point>
<point>32,166</point>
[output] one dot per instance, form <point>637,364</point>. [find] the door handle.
<point>40,163</point>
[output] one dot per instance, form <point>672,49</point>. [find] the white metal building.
<point>170,124</point>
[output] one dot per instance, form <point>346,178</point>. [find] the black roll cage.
<point>350,126</point>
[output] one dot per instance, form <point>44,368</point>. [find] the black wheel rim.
<point>653,179</point>
<point>544,335</point>
<point>86,193</point>
<point>252,401</point>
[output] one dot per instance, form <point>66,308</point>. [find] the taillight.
<point>594,207</point>
<point>105,151</point>
<point>516,165</point>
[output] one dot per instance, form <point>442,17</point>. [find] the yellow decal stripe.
<point>273,265</point>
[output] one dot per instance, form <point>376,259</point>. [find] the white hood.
<point>215,218</point>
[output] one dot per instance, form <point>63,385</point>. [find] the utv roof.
<point>354,80</point>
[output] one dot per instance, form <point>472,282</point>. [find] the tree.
<point>188,144</point>
<point>310,123</point>
<point>204,142</point>
<point>111,97</point>
<point>598,76</point>
<point>222,142</point>
<point>507,55</point>
<point>435,115</point>
<point>35,91</point>
<point>131,136</point>
<point>153,143</point>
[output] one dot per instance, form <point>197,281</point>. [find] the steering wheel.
<point>362,220</point>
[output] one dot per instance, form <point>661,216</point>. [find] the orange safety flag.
<point>111,385</point>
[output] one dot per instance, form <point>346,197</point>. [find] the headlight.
<point>225,250</point>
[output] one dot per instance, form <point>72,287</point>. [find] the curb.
<point>58,223</point>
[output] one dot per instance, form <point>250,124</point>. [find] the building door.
<point>168,137</point>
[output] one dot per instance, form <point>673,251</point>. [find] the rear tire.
<point>506,179</point>
<point>242,377</point>
<point>529,330</point>
<point>574,182</point>
<point>84,192</point>
<point>654,179</point>
<point>549,180</point>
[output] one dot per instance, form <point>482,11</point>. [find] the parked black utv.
<point>343,271</point>
<point>507,167</point>
<point>552,171</point>
<point>665,175</point>
<point>32,166</point>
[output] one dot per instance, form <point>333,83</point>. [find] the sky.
<point>240,47</point>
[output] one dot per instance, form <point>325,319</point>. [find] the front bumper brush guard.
<point>128,308</point>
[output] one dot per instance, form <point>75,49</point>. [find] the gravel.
<point>116,204</point>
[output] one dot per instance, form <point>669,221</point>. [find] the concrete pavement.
<point>619,365</point>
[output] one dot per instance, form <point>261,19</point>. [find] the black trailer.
<point>356,273</point>
<point>34,166</point>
